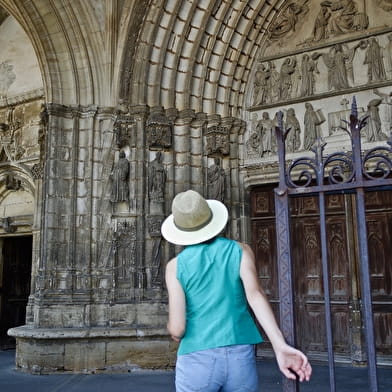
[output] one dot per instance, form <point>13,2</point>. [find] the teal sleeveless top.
<point>217,312</point>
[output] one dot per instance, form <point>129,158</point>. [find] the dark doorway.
<point>15,277</point>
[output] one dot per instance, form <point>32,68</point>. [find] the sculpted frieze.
<point>331,70</point>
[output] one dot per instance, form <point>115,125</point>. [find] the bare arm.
<point>289,359</point>
<point>176,324</point>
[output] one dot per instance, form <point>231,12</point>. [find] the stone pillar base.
<point>91,350</point>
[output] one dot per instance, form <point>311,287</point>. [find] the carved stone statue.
<point>260,90</point>
<point>372,129</point>
<point>374,61</point>
<point>293,140</point>
<point>337,62</point>
<point>312,122</point>
<point>216,181</point>
<point>286,83</point>
<point>273,83</point>
<point>345,17</point>
<point>388,56</point>
<point>119,176</point>
<point>266,126</point>
<point>288,19</point>
<point>125,251</point>
<point>320,29</point>
<point>386,101</point>
<point>308,69</point>
<point>156,179</point>
<point>253,144</point>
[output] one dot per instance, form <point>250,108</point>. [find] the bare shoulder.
<point>245,247</point>
<point>171,265</point>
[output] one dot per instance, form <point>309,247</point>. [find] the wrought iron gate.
<point>340,172</point>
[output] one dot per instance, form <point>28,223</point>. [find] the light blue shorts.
<point>224,369</point>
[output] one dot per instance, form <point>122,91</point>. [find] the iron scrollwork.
<point>338,168</point>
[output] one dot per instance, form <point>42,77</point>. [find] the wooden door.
<point>343,265</point>
<point>15,267</point>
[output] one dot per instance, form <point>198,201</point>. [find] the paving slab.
<point>348,379</point>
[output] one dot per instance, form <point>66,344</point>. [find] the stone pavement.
<point>348,380</point>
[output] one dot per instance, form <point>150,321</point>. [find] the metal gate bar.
<point>339,172</point>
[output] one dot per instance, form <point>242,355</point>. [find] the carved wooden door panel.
<point>309,292</point>
<point>343,266</point>
<point>379,226</point>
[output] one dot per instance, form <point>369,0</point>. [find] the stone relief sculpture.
<point>124,128</point>
<point>372,130</point>
<point>273,83</point>
<point>386,5</point>
<point>119,177</point>
<point>217,138</point>
<point>293,140</point>
<point>386,101</point>
<point>159,130</point>
<point>338,60</point>
<point>374,61</point>
<point>265,127</point>
<point>312,121</point>
<point>286,83</point>
<point>260,90</point>
<point>125,251</point>
<point>308,80</point>
<point>253,144</point>
<point>156,179</point>
<point>345,17</point>
<point>216,181</point>
<point>388,55</point>
<point>320,29</point>
<point>287,21</point>
<point>153,263</point>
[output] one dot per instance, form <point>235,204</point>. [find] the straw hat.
<point>194,219</point>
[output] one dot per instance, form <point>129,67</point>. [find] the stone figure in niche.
<point>386,100</point>
<point>119,177</point>
<point>308,69</point>
<point>153,263</point>
<point>388,56</point>
<point>216,181</point>
<point>345,17</point>
<point>372,129</point>
<point>125,250</point>
<point>287,21</point>
<point>312,121</point>
<point>156,179</point>
<point>266,127</point>
<point>374,61</point>
<point>338,60</point>
<point>320,29</point>
<point>293,140</point>
<point>286,83</point>
<point>261,85</point>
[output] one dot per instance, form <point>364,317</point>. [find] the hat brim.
<point>180,237</point>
